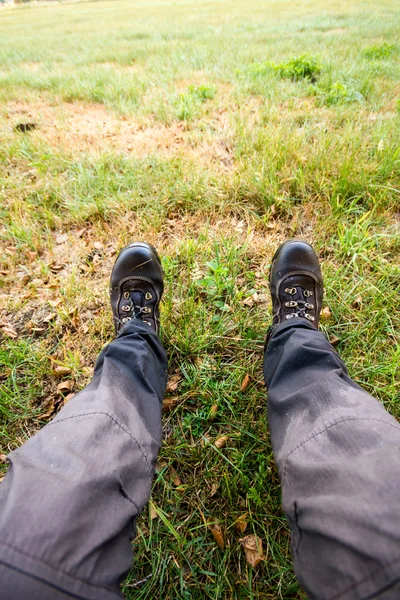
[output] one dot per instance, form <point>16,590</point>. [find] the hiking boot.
<point>136,286</point>
<point>296,284</point>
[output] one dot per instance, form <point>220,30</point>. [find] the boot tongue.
<point>137,298</point>
<point>138,301</point>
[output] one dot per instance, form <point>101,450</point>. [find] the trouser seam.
<point>317,433</point>
<point>88,414</point>
<point>41,580</point>
<point>366,579</point>
<point>127,496</point>
<point>47,564</point>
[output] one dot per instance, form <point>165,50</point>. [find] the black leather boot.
<point>136,286</point>
<point>296,284</point>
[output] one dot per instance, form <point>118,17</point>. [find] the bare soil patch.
<point>91,128</point>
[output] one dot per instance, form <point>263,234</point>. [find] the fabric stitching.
<point>316,434</point>
<point>52,585</point>
<point>365,579</point>
<point>43,562</point>
<point>127,497</point>
<point>116,422</point>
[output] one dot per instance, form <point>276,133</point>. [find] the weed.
<point>202,92</point>
<point>339,93</point>
<point>187,104</point>
<point>380,52</point>
<point>303,67</point>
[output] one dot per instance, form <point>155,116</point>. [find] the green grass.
<point>214,130</point>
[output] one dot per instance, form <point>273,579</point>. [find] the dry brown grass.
<point>90,128</point>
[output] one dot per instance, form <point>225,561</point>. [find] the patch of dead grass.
<point>91,128</point>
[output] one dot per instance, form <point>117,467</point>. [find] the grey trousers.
<point>69,501</point>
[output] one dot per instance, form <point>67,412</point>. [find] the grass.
<point>166,122</point>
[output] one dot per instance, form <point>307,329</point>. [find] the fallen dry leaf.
<point>221,441</point>
<point>65,386</point>
<point>3,458</point>
<point>54,303</point>
<point>214,489</point>
<point>326,313</point>
<point>248,302</point>
<point>1,478</point>
<point>61,371</point>
<point>218,535</point>
<point>55,267</point>
<point>31,256</point>
<point>262,298</point>
<point>68,397</point>
<point>245,383</point>
<point>173,383</point>
<point>176,480</point>
<point>61,238</point>
<point>170,403</point>
<point>252,545</point>
<point>334,340</point>
<point>48,318</point>
<point>48,407</point>
<point>9,332</point>
<point>98,246</point>
<point>80,232</point>
<point>241,523</point>
<point>152,511</point>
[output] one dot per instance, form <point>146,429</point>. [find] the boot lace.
<point>301,305</point>
<point>133,309</point>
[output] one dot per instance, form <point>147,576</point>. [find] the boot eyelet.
<point>126,319</point>
<point>147,323</point>
<point>146,309</point>
<point>308,293</point>
<point>309,306</point>
<point>290,291</point>
<point>291,304</point>
<point>148,296</point>
<point>126,295</point>
<point>309,317</point>
<point>126,308</point>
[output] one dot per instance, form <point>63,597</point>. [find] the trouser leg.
<point>70,498</point>
<point>338,456</point>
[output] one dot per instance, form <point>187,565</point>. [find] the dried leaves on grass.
<point>221,441</point>
<point>216,530</point>
<point>173,382</point>
<point>245,383</point>
<point>253,549</point>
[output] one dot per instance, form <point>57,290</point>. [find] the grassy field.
<point>214,130</point>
